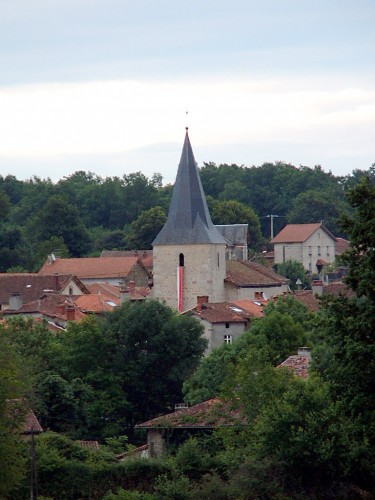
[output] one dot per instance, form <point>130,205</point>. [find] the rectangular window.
<point>310,250</point>
<point>227,339</point>
<point>319,251</point>
<point>327,250</point>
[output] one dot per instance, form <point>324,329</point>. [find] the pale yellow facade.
<point>319,245</point>
<point>204,273</point>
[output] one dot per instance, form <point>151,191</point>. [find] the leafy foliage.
<point>294,271</point>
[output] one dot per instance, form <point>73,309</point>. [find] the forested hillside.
<point>82,214</point>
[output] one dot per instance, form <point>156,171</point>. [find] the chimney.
<point>70,313</point>
<point>304,351</point>
<point>317,287</point>
<point>201,299</point>
<point>132,287</point>
<point>124,293</point>
<point>56,281</point>
<point>15,301</point>
<point>60,308</point>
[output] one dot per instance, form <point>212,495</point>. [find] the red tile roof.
<point>209,414</point>
<point>31,424</point>
<point>96,303</point>
<point>105,289</point>
<point>308,298</point>
<point>337,289</point>
<point>250,274</point>
<point>145,256</point>
<point>32,286</point>
<point>341,245</point>
<point>298,233</point>
<point>92,267</point>
<point>298,364</point>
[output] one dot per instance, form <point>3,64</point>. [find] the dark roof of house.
<point>209,414</point>
<point>93,267</point>
<point>234,234</point>
<point>91,445</point>
<point>298,233</point>
<point>50,305</point>
<point>243,273</point>
<point>240,311</point>
<point>32,286</point>
<point>308,298</point>
<point>189,220</point>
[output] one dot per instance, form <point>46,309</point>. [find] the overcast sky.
<point>104,85</point>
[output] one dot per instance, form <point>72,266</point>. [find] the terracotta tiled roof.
<point>337,289</point>
<point>96,303</point>
<point>105,289</point>
<point>32,286</point>
<point>92,267</point>
<point>209,414</point>
<point>298,364</point>
<point>31,424</point>
<point>240,311</point>
<point>308,298</point>
<point>341,245</point>
<point>252,307</point>
<point>298,233</point>
<point>250,274</point>
<point>145,256</point>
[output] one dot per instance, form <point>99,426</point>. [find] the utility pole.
<point>272,216</point>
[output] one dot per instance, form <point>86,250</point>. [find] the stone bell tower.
<point>189,252</point>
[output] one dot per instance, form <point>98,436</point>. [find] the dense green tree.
<point>235,212</point>
<point>12,390</point>
<point>316,205</point>
<point>60,219</point>
<point>294,271</point>
<point>361,228</point>
<point>145,228</point>
<point>156,350</point>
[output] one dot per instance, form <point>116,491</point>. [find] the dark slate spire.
<point>188,220</point>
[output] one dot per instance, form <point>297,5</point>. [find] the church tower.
<point>189,252</point>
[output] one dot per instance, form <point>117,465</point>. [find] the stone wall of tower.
<point>204,273</point>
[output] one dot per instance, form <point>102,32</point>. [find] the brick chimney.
<point>132,287</point>
<point>56,281</point>
<point>70,312</point>
<point>60,309</point>
<point>201,299</point>
<point>15,301</point>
